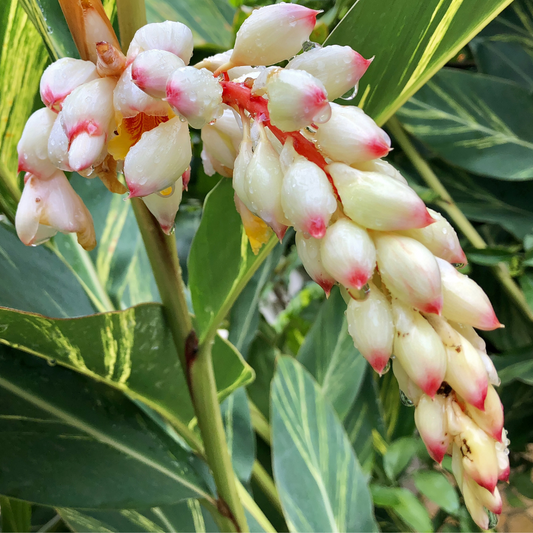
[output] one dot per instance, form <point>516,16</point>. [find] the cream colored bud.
<point>58,145</point>
<point>418,348</point>
<point>382,167</point>
<point>86,151</point>
<point>457,461</point>
<point>377,201</point>
<point>33,145</point>
<point>49,206</point>
<point>169,36</point>
<point>339,68</point>
<point>195,95</point>
<point>448,335</point>
<point>490,500</point>
<point>431,422</point>
<point>350,136</point>
<point>273,33</point>
<point>490,420</point>
<point>371,328</point>
<point>475,507</point>
<point>296,99</point>
<point>151,69</point>
<point>62,77</point>
<point>502,454</point>
<point>348,253</point>
<point>165,204</point>
<point>409,271</point>
<point>212,63</point>
<point>158,159</point>
<point>406,384</point>
<point>464,300</point>
<point>241,166</point>
<point>309,253</point>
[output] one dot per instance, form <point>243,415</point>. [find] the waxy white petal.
<point>490,419</point>
<point>309,252</point>
<point>406,384</point>
<point>165,204</point>
<point>431,422</point>
<point>58,146</point>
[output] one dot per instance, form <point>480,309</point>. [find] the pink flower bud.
<point>86,151</point>
<point>49,206</point>
<point>58,145</point>
<point>406,384</point>
<point>431,422</point>
<point>158,159</point>
<point>439,238</point>
<point>409,271</point>
<point>165,204</point>
<point>273,33</point>
<point>129,100</point>
<point>490,420</point>
<point>195,94</point>
<point>339,68</point>
<point>306,196</point>
<point>490,500</point>
<point>464,299</point>
<point>33,145</point>
<point>151,69</point>
<point>348,253</point>
<point>377,201</point>
<point>172,37</point>
<point>418,348</point>
<point>370,326</point>
<point>309,253</point>
<point>350,136</point>
<point>296,99</point>
<point>62,77</point>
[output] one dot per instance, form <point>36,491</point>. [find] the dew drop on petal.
<point>351,94</point>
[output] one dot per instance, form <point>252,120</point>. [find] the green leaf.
<point>221,261</point>
<point>398,456</point>
<point>404,504</point>
<point>68,441</point>
<point>516,365</point>
<point>320,482</point>
<point>130,350</point>
<point>476,122</point>
<point>15,515</point>
<point>182,517</point>
<point>329,354</point>
<point>411,41</point>
<point>436,487</point>
<point>489,256</point>
<point>210,20</point>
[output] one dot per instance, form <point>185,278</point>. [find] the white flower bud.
<point>309,253</point>
<point>49,206</point>
<point>410,271</point>
<point>464,300</point>
<point>86,151</point>
<point>418,348</point>
<point>296,99</point>
<point>158,159</point>
<point>377,201</point>
<point>350,136</point>
<point>371,328</point>
<point>339,68</point>
<point>33,145</point>
<point>348,253</point>
<point>62,77</point>
<point>406,384</point>
<point>439,238</point>
<point>151,69</point>
<point>273,33</point>
<point>195,95</point>
<point>431,422</point>
<point>212,63</point>
<point>307,197</point>
<point>383,167</point>
<point>490,500</point>
<point>58,145</point>
<point>502,454</point>
<point>490,420</point>
<point>172,37</point>
<point>241,166</point>
<point>165,204</point>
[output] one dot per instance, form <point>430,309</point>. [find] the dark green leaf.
<point>320,482</point>
<point>398,456</point>
<point>436,487</point>
<point>516,365</point>
<point>15,515</point>
<point>489,256</point>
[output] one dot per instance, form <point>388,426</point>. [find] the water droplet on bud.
<point>351,94</point>
<point>386,368</point>
<point>405,400</point>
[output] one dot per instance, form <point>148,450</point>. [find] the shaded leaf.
<point>516,365</point>
<point>489,256</point>
<point>436,487</point>
<point>398,456</point>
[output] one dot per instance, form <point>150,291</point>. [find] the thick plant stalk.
<point>447,203</point>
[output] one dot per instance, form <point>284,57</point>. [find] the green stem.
<point>254,509</point>
<point>266,484</point>
<point>259,422</point>
<point>131,16</point>
<point>447,203</point>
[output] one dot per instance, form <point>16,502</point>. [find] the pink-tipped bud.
<point>418,348</point>
<point>439,238</point>
<point>272,34</point>
<point>165,204</point>
<point>241,166</point>
<point>62,77</point>
<point>377,201</point>
<point>306,197</point>
<point>490,500</point>
<point>348,254</point>
<point>339,68</point>
<point>86,151</point>
<point>464,300</point>
<point>431,422</point>
<point>490,419</point>
<point>409,271</point>
<point>33,145</point>
<point>371,328</point>
<point>382,167</point>
<point>158,159</point>
<point>58,144</point>
<point>474,506</point>
<point>172,37</point>
<point>49,206</point>
<point>406,384</point>
<point>350,136</point>
<point>296,99</point>
<point>195,95</point>
<point>309,253</point>
<point>151,69</point>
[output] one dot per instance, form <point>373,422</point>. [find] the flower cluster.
<point>296,159</point>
